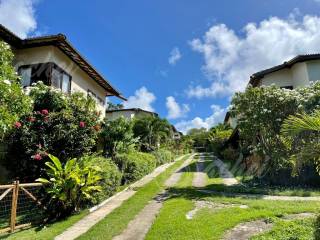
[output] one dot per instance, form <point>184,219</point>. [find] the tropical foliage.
<point>152,131</point>
<point>65,126</point>
<point>68,186</point>
<point>13,102</point>
<point>302,134</point>
<point>117,136</point>
<point>260,113</point>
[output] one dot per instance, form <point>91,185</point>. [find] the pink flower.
<point>37,157</point>
<point>17,124</point>
<point>45,112</point>
<point>82,124</point>
<point>31,119</point>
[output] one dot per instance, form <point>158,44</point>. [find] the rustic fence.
<point>20,205</point>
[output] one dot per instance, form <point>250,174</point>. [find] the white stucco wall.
<point>280,78</point>
<point>313,68</point>
<point>300,75</point>
<point>80,81</point>
<point>115,115</point>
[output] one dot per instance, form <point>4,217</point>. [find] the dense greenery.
<point>117,136</point>
<point>163,156</point>
<point>134,165</point>
<point>13,102</point>
<point>63,125</point>
<point>260,113</point>
<point>152,132</point>
<point>110,175</point>
<point>303,139</point>
<point>68,186</point>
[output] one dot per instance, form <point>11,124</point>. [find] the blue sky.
<point>184,58</point>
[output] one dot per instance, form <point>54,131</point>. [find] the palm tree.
<point>301,133</point>
<point>295,125</point>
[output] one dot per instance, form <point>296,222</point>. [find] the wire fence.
<point>20,206</point>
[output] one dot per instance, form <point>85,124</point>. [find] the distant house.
<point>54,61</point>
<point>300,71</point>
<point>176,135</point>
<point>128,113</point>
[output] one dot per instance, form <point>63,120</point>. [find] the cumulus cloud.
<point>217,116</point>
<point>142,99</point>
<point>18,16</point>
<point>175,110</point>
<point>230,58</point>
<point>175,56</point>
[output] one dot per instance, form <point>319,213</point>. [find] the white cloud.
<point>175,110</point>
<point>142,99</point>
<point>175,56</point>
<point>18,16</point>
<point>217,116</point>
<point>230,58</point>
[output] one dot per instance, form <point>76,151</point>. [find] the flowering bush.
<point>65,126</point>
<point>260,113</point>
<point>13,102</point>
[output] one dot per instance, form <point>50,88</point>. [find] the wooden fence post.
<point>14,204</point>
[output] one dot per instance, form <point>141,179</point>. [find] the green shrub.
<point>135,165</point>
<point>109,173</point>
<point>68,186</point>
<point>230,154</point>
<point>67,128</point>
<point>163,156</point>
<point>13,102</point>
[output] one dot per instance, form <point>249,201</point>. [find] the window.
<point>56,78</point>
<point>48,73</point>
<point>61,80</point>
<point>287,87</point>
<point>25,74</point>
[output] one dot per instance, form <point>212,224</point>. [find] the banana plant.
<point>69,185</point>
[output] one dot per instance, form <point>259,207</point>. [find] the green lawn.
<point>46,232</point>
<point>172,223</point>
<point>117,220</point>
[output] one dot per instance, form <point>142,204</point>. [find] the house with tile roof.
<point>54,61</point>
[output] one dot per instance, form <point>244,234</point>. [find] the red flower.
<point>37,157</point>
<point>31,119</point>
<point>45,112</point>
<point>82,124</point>
<point>17,124</point>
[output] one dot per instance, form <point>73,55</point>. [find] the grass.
<point>118,220</point>
<point>45,232</point>
<point>171,223</point>
<point>290,230</point>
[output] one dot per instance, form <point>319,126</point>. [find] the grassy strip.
<point>187,175</point>
<point>47,232</point>
<point>172,224</point>
<point>287,230</point>
<point>118,220</point>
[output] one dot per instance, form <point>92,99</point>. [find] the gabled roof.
<point>131,109</point>
<point>60,41</point>
<point>254,78</point>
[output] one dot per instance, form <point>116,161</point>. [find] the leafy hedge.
<point>163,156</point>
<point>65,126</point>
<point>135,165</point>
<point>109,173</point>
